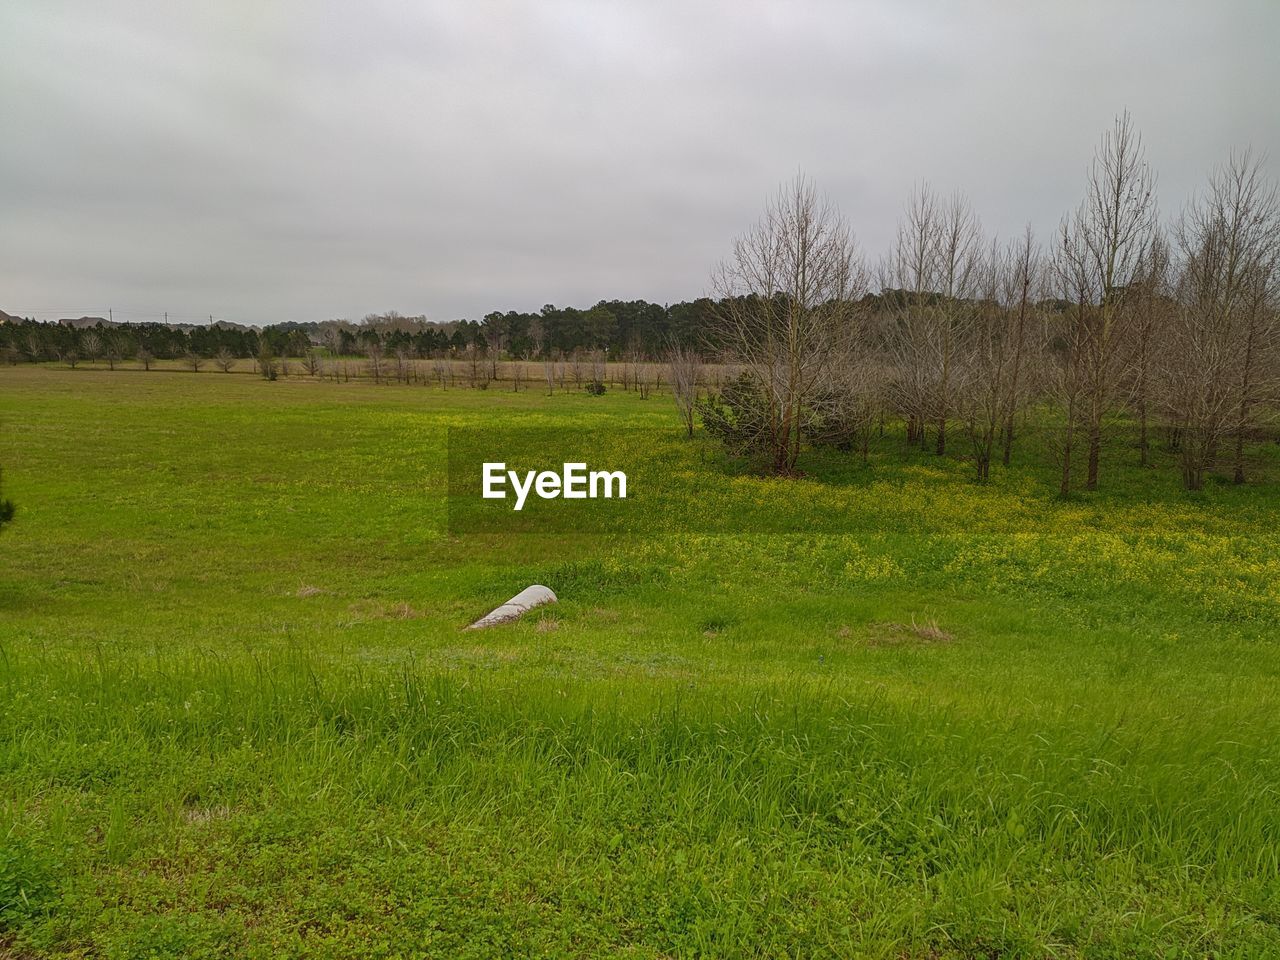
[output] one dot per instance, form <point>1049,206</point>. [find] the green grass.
<point>239,717</point>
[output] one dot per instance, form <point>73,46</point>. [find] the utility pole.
<point>111,316</point>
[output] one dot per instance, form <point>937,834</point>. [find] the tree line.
<point>620,329</point>
<point>1170,326</point>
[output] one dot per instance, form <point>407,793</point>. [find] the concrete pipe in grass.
<point>516,607</point>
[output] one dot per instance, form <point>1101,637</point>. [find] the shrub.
<point>7,510</point>
<point>738,417</point>
<point>267,361</point>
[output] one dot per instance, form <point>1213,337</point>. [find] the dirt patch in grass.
<point>714,626</point>
<point>924,632</point>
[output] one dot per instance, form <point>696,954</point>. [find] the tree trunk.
<point>1095,450</point>
<point>1064,488</point>
<point>1144,445</point>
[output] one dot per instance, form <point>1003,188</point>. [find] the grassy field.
<point>239,716</point>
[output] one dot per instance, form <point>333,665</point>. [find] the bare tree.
<point>684,368</point>
<point>91,344</point>
<point>403,368</point>
<point>957,269</point>
<point>1254,200</point>
<point>1216,364</point>
<point>111,351</point>
<point>1023,279</point>
<point>376,356</point>
<point>193,360</point>
<point>146,358</point>
<point>311,363</point>
<point>929,282</point>
<point>984,363</point>
<point>331,337</point>
<point>1065,367</point>
<point>906,282</point>
<point>477,374</point>
<point>630,369</point>
<point>224,359</point>
<point>1256,376</point>
<point>789,313</point>
<point>1152,308</point>
<point>990,379</point>
<point>1193,373</point>
<point>1101,251</point>
<point>33,347</point>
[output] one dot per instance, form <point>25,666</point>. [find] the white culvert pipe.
<point>517,606</point>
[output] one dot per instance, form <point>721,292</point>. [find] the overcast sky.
<point>267,161</point>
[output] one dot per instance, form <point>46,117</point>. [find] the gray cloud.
<point>307,160</point>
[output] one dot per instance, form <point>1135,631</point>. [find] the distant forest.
<point>622,329</point>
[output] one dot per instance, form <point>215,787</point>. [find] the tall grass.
<point>238,717</point>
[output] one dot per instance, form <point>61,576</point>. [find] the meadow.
<point>240,717</point>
